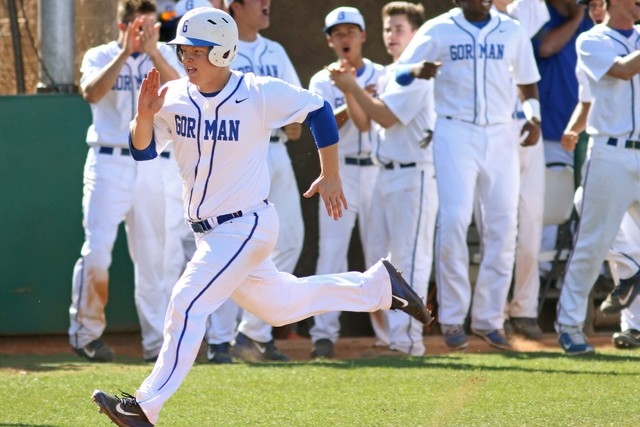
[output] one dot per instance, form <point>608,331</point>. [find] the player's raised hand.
<point>149,99</point>
<point>148,35</point>
<point>427,70</point>
<point>342,75</point>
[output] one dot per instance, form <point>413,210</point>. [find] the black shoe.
<point>404,298</point>
<point>95,351</point>
<point>527,327</point>
<point>219,353</point>
<point>253,351</point>
<point>622,295</point>
<point>123,411</point>
<point>322,349</point>
<point>627,339</point>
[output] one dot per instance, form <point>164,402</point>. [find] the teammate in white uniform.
<point>116,188</point>
<point>608,55</point>
<point>403,225</point>
<point>345,32</point>
<point>473,52</point>
<point>264,57</point>
<point>522,307</point>
<point>220,122</point>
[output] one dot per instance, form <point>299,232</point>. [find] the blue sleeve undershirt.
<point>323,126</point>
<point>148,153</point>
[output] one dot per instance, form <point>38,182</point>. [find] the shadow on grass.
<point>505,361</point>
<point>55,362</point>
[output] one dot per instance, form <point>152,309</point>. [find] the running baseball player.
<point>473,51</point>
<point>263,57</point>
<point>220,123</point>
<point>116,188</point>
<point>345,33</point>
<point>608,55</point>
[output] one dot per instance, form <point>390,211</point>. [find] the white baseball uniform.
<point>475,153</point>
<point>358,174</point>
<point>531,14</point>
<point>403,223</point>
<point>265,57</point>
<point>610,179</point>
<point>117,188</point>
<point>221,146</point>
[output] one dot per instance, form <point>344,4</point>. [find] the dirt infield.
<point>297,348</point>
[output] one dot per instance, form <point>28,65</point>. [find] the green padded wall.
<point>42,154</point>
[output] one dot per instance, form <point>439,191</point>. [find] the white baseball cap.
<point>343,15</point>
<point>184,6</point>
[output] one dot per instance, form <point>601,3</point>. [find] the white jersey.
<point>113,112</point>
<point>265,57</point>
<point>610,115</point>
<point>532,14</point>
<point>475,62</point>
<point>352,141</point>
<point>209,131</point>
<point>413,106</point>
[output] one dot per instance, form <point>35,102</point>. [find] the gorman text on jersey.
<point>486,51</point>
<point>224,130</point>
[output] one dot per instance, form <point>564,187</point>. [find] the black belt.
<point>205,225</point>
<point>627,144</point>
<point>110,150</point>
<point>127,152</point>
<point>393,165</point>
<point>358,162</point>
<point>274,139</point>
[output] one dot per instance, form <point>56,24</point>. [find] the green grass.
<point>496,389</point>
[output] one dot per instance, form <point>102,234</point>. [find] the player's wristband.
<point>531,110</point>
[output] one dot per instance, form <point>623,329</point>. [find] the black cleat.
<point>322,349</point>
<point>404,298</point>
<point>246,349</point>
<point>627,339</point>
<point>219,353</point>
<point>622,295</point>
<point>122,411</point>
<point>95,351</point>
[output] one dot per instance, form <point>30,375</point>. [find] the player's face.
<point>596,10</point>
<point>253,14</point>
<point>195,60</point>
<point>346,40</point>
<point>475,10</point>
<point>396,34</point>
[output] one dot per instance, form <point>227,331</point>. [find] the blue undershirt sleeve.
<point>322,124</point>
<point>148,153</point>
<point>403,75</point>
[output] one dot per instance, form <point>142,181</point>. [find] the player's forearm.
<point>374,108</point>
<point>578,121</point>
<point>141,132</point>
<point>554,40</point>
<point>356,113</point>
<point>95,89</point>
<point>329,164</point>
<point>626,67</point>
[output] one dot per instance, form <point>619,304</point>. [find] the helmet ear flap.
<point>220,57</point>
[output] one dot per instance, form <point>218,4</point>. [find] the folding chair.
<point>558,210</point>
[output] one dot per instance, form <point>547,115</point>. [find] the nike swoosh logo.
<point>123,412</point>
<point>238,101</point>
<point>402,300</point>
<point>261,348</point>
<point>623,301</point>
<point>90,353</point>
